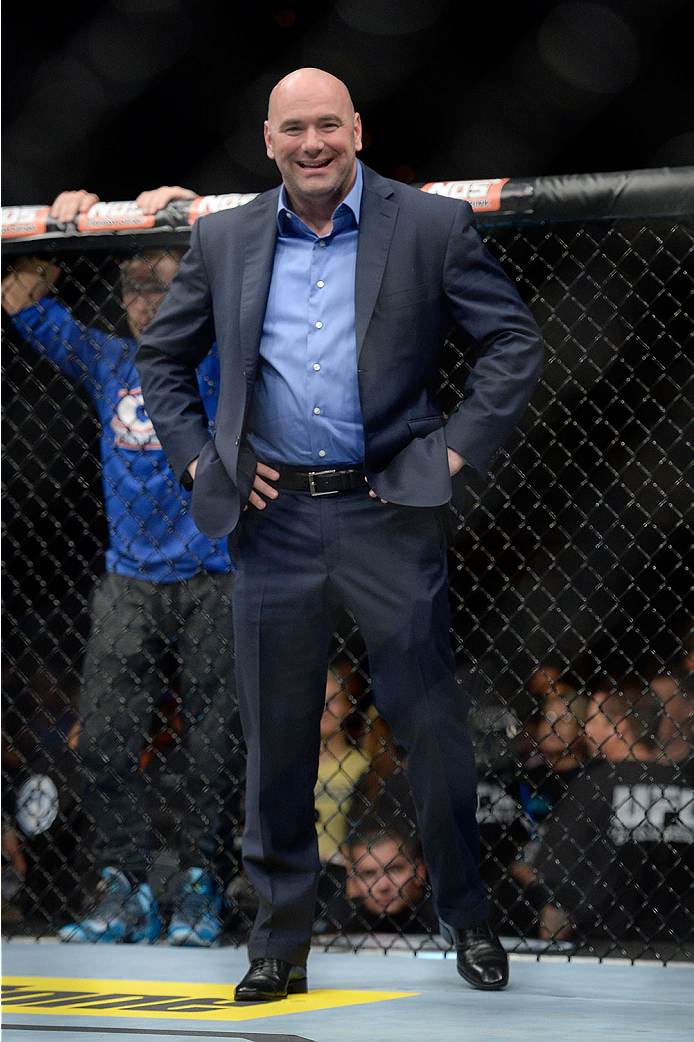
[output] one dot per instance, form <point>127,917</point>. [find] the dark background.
<point>125,95</point>
<point>580,549</point>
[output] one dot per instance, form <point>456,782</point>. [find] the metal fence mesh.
<point>571,589</point>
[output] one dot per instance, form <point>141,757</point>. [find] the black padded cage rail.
<point>571,590</point>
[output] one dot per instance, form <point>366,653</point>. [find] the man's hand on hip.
<point>374,495</point>
<point>456,462</point>
<point>261,487</point>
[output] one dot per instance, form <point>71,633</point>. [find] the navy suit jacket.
<point>421,270</point>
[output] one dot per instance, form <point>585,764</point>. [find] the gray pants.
<point>141,632</point>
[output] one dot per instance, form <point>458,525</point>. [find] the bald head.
<point>311,82</point>
<point>313,134</point>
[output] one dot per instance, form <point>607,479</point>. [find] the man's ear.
<point>268,140</point>
<point>357,132</point>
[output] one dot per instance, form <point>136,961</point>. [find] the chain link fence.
<point>571,589</point>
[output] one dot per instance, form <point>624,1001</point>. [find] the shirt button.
<point>316,366</point>
<point>316,411</point>
<point>321,242</point>
<point>321,452</point>
<point>320,284</point>
<point>319,325</point>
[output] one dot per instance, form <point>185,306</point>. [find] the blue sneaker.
<point>196,920</point>
<point>122,914</point>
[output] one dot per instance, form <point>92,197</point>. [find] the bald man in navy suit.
<point>331,469</point>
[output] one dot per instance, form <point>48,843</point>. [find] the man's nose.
<point>313,141</point>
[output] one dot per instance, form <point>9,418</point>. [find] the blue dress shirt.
<point>305,407</point>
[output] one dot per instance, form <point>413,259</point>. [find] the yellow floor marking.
<point>156,999</point>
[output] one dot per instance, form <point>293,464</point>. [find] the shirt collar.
<point>352,199</point>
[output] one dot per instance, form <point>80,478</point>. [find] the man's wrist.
<point>189,474</point>
<point>456,462</point>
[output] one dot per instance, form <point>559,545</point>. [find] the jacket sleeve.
<point>170,349</point>
<point>508,346</point>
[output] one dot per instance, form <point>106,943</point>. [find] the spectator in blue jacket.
<point>166,587</point>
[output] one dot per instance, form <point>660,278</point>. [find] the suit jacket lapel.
<point>260,239</point>
<point>376,227</point>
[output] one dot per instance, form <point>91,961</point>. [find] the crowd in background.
<point>549,766</point>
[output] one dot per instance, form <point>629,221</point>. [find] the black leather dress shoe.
<point>269,979</point>
<point>482,960</point>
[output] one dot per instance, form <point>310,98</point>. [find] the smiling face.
<point>313,134</point>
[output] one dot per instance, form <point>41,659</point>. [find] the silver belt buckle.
<point>312,475</point>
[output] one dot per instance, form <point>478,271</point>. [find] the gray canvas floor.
<point>151,993</point>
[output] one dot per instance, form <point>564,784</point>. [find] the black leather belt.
<point>326,481</point>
